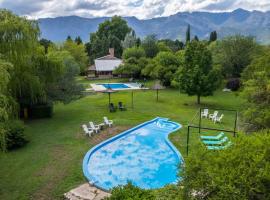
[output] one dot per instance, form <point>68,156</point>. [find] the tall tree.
<point>78,40</point>
<point>18,43</point>
<point>163,67</point>
<point>129,41</point>
<point>31,68</point>
<point>6,102</point>
<point>256,81</point>
<point>69,38</point>
<point>134,61</point>
<point>188,34</point>
<point>213,36</point>
<point>196,38</point>
<point>197,75</point>
<point>234,54</point>
<point>78,52</point>
<point>110,33</point>
<point>149,44</point>
<point>45,43</point>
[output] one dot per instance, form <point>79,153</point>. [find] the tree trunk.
<point>198,99</point>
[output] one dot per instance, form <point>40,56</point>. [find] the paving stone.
<point>86,192</point>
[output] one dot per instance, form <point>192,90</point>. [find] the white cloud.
<point>138,8</point>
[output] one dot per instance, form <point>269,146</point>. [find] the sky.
<point>142,9</point>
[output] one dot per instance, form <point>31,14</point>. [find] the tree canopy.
<point>110,33</point>
<point>77,50</point>
<point>213,36</point>
<point>149,44</point>
<point>163,67</point>
<point>197,75</point>
<point>234,54</point>
<point>129,41</point>
<point>19,45</point>
<point>256,90</point>
<point>134,62</point>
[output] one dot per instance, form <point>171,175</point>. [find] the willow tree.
<point>7,104</point>
<point>18,43</point>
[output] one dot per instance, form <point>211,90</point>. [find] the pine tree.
<point>196,38</point>
<point>188,34</point>
<point>78,40</point>
<point>213,36</point>
<point>69,38</point>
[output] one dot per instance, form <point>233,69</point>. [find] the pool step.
<point>86,192</point>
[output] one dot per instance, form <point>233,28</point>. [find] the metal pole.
<point>187,140</point>
<point>157,94</point>
<point>109,98</point>
<point>235,124</point>
<point>200,120</point>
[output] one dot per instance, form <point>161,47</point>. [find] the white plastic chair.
<point>108,122</point>
<point>87,131</point>
<point>94,127</point>
<point>218,119</point>
<point>213,116</point>
<point>204,113</point>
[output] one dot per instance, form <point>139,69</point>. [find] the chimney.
<point>111,52</point>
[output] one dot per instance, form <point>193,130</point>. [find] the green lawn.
<point>51,163</point>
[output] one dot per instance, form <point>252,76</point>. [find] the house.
<point>104,66</point>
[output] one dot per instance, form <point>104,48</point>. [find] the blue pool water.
<point>115,85</point>
<point>142,155</point>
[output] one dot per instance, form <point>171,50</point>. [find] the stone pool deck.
<point>86,192</point>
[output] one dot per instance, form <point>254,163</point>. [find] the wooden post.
<point>235,124</point>
<point>187,140</point>
<point>200,121</point>
<point>132,103</point>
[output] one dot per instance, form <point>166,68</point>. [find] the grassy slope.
<point>51,163</point>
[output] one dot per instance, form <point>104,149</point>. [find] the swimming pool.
<point>142,155</point>
<point>100,87</point>
<point>115,85</point>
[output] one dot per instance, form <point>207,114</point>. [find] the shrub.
<point>169,192</point>
<point>233,84</point>
<point>14,135</point>
<point>239,172</point>
<point>130,192</point>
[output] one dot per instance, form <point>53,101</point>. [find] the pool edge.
<point>96,147</point>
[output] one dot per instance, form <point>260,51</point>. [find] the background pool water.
<point>142,156</point>
<point>115,85</point>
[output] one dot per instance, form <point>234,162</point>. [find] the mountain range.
<point>253,23</point>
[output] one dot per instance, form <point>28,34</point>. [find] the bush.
<point>14,135</point>
<point>169,192</point>
<point>130,192</point>
<point>239,172</point>
<point>233,84</point>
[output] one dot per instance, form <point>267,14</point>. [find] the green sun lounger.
<point>219,147</point>
<point>215,142</point>
<point>212,137</point>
